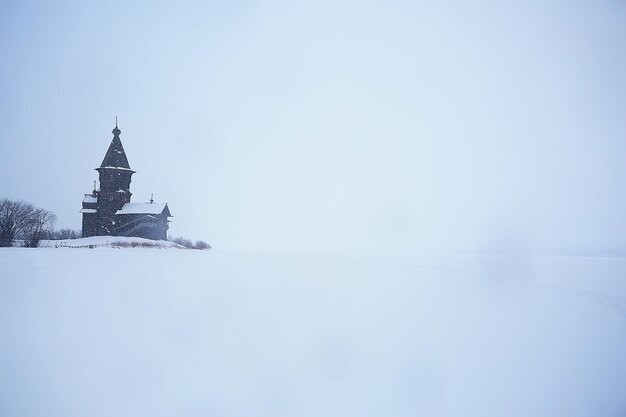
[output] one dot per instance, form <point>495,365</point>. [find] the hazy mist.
<point>328,125</point>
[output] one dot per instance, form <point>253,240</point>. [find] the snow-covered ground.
<point>215,333</point>
<point>108,241</point>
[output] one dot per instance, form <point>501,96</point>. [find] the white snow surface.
<point>90,198</point>
<point>142,208</point>
<point>215,333</point>
<point>120,168</point>
<point>106,241</point>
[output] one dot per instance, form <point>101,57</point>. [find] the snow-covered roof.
<point>90,198</point>
<point>120,168</point>
<point>142,208</point>
<point>89,211</point>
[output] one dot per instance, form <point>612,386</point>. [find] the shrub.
<point>183,242</point>
<point>201,244</point>
<point>64,234</point>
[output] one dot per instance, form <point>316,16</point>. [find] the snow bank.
<point>212,333</point>
<point>109,242</point>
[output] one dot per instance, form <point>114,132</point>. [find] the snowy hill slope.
<point>109,242</point>
<point>197,333</point>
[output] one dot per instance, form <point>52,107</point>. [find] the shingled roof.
<point>115,156</point>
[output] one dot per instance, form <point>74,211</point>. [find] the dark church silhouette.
<point>109,212</point>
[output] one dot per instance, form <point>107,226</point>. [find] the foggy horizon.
<point>334,126</point>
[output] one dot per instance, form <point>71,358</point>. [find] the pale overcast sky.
<point>328,125</point>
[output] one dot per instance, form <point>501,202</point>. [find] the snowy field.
<point>149,332</point>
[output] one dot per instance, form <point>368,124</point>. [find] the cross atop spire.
<point>116,130</point>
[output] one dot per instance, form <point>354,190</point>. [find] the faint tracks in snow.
<point>611,302</point>
<point>615,303</point>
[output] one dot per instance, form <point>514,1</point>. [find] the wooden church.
<point>109,212</point>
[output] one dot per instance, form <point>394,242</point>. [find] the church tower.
<point>115,177</point>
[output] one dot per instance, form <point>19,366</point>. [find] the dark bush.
<point>183,242</point>
<point>201,244</point>
<point>64,234</point>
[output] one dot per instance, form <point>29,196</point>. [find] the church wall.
<point>90,224</point>
<point>141,225</point>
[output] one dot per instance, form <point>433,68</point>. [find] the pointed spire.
<point>115,156</point>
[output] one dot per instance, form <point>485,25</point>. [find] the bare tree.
<point>39,226</point>
<point>15,217</point>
